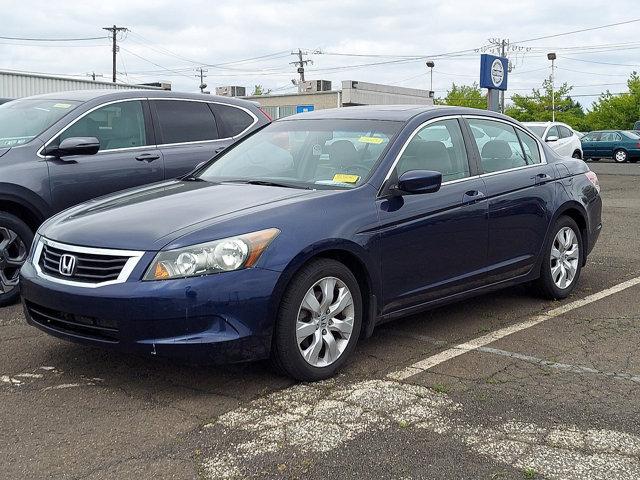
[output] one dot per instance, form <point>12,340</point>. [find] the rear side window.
<point>530,146</point>
<point>182,121</point>
<point>118,125</point>
<point>500,149</point>
<point>232,121</point>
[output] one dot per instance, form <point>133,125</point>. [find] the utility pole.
<point>202,76</point>
<point>114,49</point>
<point>300,63</point>
<point>552,56</point>
<point>503,46</point>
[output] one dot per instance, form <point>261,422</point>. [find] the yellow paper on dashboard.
<point>345,178</point>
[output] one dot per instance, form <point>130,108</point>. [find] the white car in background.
<point>559,136</point>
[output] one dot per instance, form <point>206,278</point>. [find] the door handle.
<point>147,157</point>
<point>472,196</point>
<point>542,178</point>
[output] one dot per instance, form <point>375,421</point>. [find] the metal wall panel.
<point>16,85</point>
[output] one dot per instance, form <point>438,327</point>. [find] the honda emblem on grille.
<point>67,265</point>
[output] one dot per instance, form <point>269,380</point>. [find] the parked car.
<point>559,136</point>
<point>294,254</point>
<point>61,149</point>
<point>621,145</point>
<point>636,126</point>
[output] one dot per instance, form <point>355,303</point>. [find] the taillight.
<point>266,114</point>
<point>593,178</point>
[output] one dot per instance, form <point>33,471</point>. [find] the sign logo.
<point>67,266</point>
<point>497,72</point>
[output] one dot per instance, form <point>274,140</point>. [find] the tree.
<point>259,90</point>
<point>464,96</point>
<point>617,111</point>
<point>537,107</point>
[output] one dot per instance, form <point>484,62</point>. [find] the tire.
<point>15,242</point>
<point>576,154</point>
<point>620,156</point>
<point>546,285</point>
<point>287,350</point>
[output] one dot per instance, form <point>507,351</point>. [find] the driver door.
<point>127,157</point>
<point>434,244</point>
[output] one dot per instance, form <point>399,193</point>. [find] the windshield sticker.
<point>62,105</point>
<point>374,140</point>
<point>345,178</point>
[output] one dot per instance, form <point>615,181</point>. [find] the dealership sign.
<point>493,72</point>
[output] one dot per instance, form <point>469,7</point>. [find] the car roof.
<point>401,113</point>
<point>105,94</point>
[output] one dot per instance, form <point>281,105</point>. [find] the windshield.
<point>537,129</point>
<point>22,120</point>
<point>319,153</point>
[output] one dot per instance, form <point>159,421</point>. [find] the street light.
<point>430,64</point>
<point>552,56</point>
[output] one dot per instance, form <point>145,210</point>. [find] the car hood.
<point>153,216</point>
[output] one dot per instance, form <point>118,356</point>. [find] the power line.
<point>582,30</point>
<point>29,39</point>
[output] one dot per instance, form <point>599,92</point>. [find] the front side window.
<point>23,120</point>
<point>232,120</point>
<point>501,149</point>
<point>553,132</point>
<point>118,125</point>
<point>323,154</point>
<point>438,147</point>
<point>182,121</point>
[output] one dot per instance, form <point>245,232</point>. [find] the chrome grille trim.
<point>133,257</point>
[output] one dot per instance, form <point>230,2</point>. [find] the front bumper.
<point>221,318</point>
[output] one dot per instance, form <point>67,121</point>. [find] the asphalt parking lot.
<point>502,386</point>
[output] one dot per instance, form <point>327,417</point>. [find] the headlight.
<point>233,253</point>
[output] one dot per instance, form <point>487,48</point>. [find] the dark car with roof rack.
<point>58,150</point>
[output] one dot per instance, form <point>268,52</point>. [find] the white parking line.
<point>471,345</point>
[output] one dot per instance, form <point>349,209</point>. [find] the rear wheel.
<point>562,260</point>
<point>15,241</point>
<point>620,156</point>
<point>318,322</point>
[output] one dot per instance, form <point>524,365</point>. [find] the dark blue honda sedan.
<point>300,239</point>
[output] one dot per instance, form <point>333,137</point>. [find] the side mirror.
<point>552,138</point>
<point>74,146</point>
<point>419,181</point>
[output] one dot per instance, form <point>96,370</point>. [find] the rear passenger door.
<point>433,244</point>
<point>565,148</point>
<point>520,193</point>
<point>187,134</point>
<point>607,143</point>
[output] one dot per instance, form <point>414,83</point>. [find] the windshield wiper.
<point>192,178</point>
<point>268,183</point>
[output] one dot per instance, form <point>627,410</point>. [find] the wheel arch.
<point>578,214</point>
<point>23,204</point>
<point>354,257</point>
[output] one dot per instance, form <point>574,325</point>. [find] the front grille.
<point>89,268</point>
<point>91,327</point>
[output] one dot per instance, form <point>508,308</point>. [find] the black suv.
<point>57,150</point>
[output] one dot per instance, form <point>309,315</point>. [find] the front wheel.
<point>620,156</point>
<point>562,260</point>
<point>15,241</point>
<point>318,322</point>
<point>576,154</point>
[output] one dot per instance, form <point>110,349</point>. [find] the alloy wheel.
<point>565,255</point>
<point>13,254</point>
<point>325,322</point>
<point>621,156</point>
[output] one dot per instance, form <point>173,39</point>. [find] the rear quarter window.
<point>232,121</point>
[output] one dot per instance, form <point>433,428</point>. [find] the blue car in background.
<point>300,239</point>
<point>620,145</point>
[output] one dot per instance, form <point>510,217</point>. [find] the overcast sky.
<point>168,40</point>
